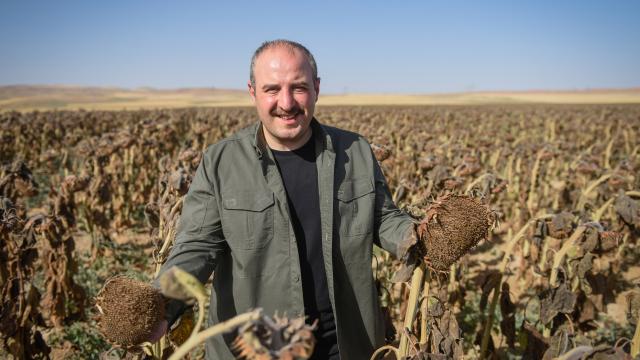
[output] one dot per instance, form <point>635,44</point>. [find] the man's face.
<point>285,95</point>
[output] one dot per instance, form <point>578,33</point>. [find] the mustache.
<point>293,112</point>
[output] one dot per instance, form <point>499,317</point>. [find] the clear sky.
<point>360,46</point>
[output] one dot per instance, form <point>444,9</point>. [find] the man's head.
<point>284,86</point>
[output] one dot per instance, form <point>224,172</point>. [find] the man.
<point>285,214</point>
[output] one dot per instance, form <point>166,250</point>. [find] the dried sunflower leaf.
<point>561,225</point>
<point>533,343</point>
<point>628,209</point>
<point>554,301</point>
<point>558,345</point>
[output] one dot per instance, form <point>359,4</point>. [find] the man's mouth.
<point>291,116</point>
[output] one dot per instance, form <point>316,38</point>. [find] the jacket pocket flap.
<point>350,190</point>
<point>247,201</point>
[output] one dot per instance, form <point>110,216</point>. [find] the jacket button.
<point>296,278</point>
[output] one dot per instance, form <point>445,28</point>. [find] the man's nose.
<point>286,100</point>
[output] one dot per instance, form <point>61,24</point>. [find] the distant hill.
<point>49,97</point>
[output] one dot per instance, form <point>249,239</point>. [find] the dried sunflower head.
<point>453,225</point>
<point>129,311</point>
<point>277,338</point>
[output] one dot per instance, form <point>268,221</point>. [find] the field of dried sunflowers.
<point>87,195</point>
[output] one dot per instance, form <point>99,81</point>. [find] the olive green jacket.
<point>235,222</point>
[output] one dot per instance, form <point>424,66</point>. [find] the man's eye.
<point>300,89</point>
<point>271,91</point>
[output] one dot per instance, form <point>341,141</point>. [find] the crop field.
<point>86,195</point>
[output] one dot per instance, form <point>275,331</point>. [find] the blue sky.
<point>372,46</point>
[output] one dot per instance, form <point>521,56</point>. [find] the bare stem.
<point>532,201</point>
<point>412,307</point>
<point>424,310</point>
<point>590,188</point>
<point>600,211</point>
<point>215,330</point>
<point>476,182</point>
<point>635,343</point>
<point>486,334</point>
<point>558,258</point>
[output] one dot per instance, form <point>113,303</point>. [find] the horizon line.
<point>213,88</point>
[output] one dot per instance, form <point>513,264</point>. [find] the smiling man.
<point>286,212</point>
<point>284,85</point>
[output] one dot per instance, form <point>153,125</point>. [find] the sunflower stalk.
<point>227,326</point>
<point>417,280</point>
<point>558,258</point>
<point>635,343</point>
<point>424,309</point>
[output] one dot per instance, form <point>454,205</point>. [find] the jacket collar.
<point>319,133</point>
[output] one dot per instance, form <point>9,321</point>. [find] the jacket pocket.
<point>356,206</point>
<point>248,219</point>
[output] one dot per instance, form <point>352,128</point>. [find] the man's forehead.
<point>283,62</point>
<point>275,56</point>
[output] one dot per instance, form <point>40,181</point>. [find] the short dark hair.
<point>288,44</point>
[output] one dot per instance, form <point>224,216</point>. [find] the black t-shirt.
<point>300,178</point>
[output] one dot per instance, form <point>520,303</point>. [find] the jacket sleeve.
<point>199,241</point>
<point>393,229</point>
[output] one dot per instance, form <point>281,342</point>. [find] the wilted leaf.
<point>558,345</point>
<point>180,181</point>
<point>601,352</point>
<point>554,301</point>
<point>427,162</point>
<point>608,240</point>
<point>178,284</point>
<point>585,264</point>
<point>586,309</point>
<point>446,336</point>
<point>436,310</point>
<point>628,209</point>
<point>277,338</point>
<point>439,174</point>
<point>533,343</point>
<point>561,225</point>
<point>152,214</point>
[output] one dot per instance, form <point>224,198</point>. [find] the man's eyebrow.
<point>270,86</point>
<point>300,83</point>
<point>277,86</point>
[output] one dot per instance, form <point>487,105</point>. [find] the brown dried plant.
<point>128,311</point>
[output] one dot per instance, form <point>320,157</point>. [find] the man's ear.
<point>252,92</point>
<point>316,86</point>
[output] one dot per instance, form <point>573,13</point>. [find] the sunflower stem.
<point>215,330</point>
<point>635,343</point>
<point>412,307</point>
